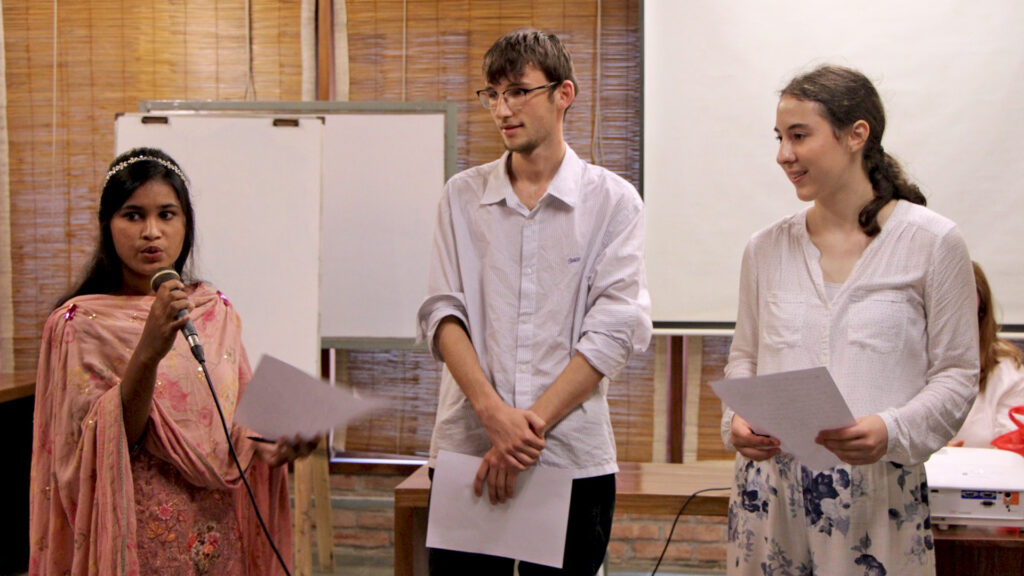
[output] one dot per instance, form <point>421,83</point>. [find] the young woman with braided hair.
<point>871,284</point>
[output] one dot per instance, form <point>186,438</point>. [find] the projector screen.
<point>951,77</point>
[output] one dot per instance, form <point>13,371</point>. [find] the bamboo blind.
<point>709,438</point>
<point>445,41</point>
<point>6,305</point>
<point>109,56</point>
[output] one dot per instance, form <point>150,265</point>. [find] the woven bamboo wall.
<point>709,438</point>
<point>445,42</point>
<point>109,56</point>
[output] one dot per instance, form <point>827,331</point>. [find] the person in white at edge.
<point>879,289</point>
<point>1000,382</point>
<point>537,297</point>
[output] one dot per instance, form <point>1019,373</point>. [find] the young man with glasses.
<point>537,298</point>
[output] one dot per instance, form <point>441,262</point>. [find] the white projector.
<point>976,486</point>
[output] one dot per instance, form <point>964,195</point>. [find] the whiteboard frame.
<point>449,109</point>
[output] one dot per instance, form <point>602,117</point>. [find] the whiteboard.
<point>256,194</point>
<point>383,175</point>
<point>951,77</point>
<point>348,200</point>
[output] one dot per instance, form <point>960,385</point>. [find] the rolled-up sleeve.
<point>618,317</point>
<point>445,295</point>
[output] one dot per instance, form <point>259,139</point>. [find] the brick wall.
<point>363,513</point>
<point>698,543</point>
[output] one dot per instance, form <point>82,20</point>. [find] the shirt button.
<point>524,368</point>
<point>525,320</point>
<point>528,271</point>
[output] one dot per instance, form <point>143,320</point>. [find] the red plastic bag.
<point>1014,439</point>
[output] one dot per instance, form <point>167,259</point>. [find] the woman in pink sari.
<point>131,473</point>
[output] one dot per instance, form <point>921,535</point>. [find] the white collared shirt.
<point>533,288</point>
<point>900,337</point>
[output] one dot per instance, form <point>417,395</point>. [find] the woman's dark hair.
<point>992,346</point>
<point>127,173</point>
<point>846,96</point>
<point>509,56</point>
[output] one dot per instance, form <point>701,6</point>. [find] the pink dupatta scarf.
<point>82,502</point>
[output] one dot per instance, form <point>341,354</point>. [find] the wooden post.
<point>322,489</point>
<point>303,518</point>
<point>325,50</point>
<point>312,475</point>
<point>676,396</point>
<point>322,494</point>
<point>694,367</point>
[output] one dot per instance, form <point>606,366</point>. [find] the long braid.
<point>888,181</point>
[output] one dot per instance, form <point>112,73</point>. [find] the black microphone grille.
<point>163,275</point>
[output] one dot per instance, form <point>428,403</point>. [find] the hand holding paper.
<point>750,443</point>
<point>285,450</point>
<point>531,527</point>
<point>863,443</point>
<point>793,407</point>
<point>282,401</point>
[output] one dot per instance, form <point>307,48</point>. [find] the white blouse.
<point>900,337</point>
<point>989,418</point>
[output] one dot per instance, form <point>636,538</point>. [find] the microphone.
<point>188,330</point>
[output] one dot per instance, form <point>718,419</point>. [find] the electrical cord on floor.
<point>241,473</point>
<point>676,521</point>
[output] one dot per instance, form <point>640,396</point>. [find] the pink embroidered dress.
<point>174,506</point>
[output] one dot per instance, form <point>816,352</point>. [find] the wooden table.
<point>646,488</point>
<point>979,550</point>
<point>17,385</point>
<point>16,405</point>
<point>651,488</point>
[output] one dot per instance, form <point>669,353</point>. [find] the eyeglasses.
<point>515,98</point>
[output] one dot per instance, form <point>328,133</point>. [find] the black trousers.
<point>591,507</point>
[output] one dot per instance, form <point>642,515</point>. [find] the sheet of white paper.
<point>531,526</point>
<point>791,406</point>
<point>282,401</point>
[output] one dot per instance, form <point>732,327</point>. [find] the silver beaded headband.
<point>122,165</point>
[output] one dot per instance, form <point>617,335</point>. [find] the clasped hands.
<point>863,443</point>
<point>517,439</point>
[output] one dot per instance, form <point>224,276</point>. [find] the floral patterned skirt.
<point>787,520</point>
<point>183,529</point>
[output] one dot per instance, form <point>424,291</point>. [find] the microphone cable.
<point>674,522</point>
<point>238,465</point>
<point>163,275</point>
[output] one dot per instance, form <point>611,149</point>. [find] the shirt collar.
<point>565,186</point>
